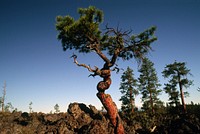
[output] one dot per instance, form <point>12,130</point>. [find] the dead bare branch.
<point>96,71</point>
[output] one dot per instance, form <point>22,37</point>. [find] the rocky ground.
<point>80,119</point>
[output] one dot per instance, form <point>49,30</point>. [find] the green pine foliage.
<point>75,34</point>
<point>85,35</point>
<point>173,93</point>
<point>149,86</point>
<point>177,73</point>
<point>128,89</point>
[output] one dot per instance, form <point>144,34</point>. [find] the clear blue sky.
<point>36,69</point>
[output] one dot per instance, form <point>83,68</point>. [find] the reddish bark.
<point>105,84</point>
<point>112,111</point>
<point>182,93</point>
<point>107,101</point>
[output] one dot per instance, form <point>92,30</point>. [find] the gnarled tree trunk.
<point>107,101</point>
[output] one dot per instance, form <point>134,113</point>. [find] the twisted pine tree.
<point>85,36</point>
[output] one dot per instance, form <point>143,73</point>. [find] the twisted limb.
<point>96,71</point>
<point>105,73</point>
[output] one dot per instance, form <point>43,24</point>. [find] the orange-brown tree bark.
<point>107,101</point>
<point>112,111</point>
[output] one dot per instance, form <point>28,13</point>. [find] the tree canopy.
<point>177,73</point>
<point>85,35</point>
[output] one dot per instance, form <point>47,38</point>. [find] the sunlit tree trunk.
<point>112,111</point>
<point>107,101</point>
<point>182,93</point>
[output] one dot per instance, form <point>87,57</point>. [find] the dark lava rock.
<point>79,119</point>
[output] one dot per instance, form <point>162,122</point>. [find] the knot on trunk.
<point>105,84</point>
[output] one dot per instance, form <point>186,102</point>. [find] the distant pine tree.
<point>128,88</point>
<point>56,108</point>
<point>148,85</point>
<point>30,107</point>
<point>177,73</point>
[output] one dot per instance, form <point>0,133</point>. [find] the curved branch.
<point>96,71</point>
<point>82,65</point>
<point>120,39</point>
<point>114,57</point>
<point>102,56</point>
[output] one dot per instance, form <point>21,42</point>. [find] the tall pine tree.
<point>177,73</point>
<point>148,85</point>
<point>128,88</point>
